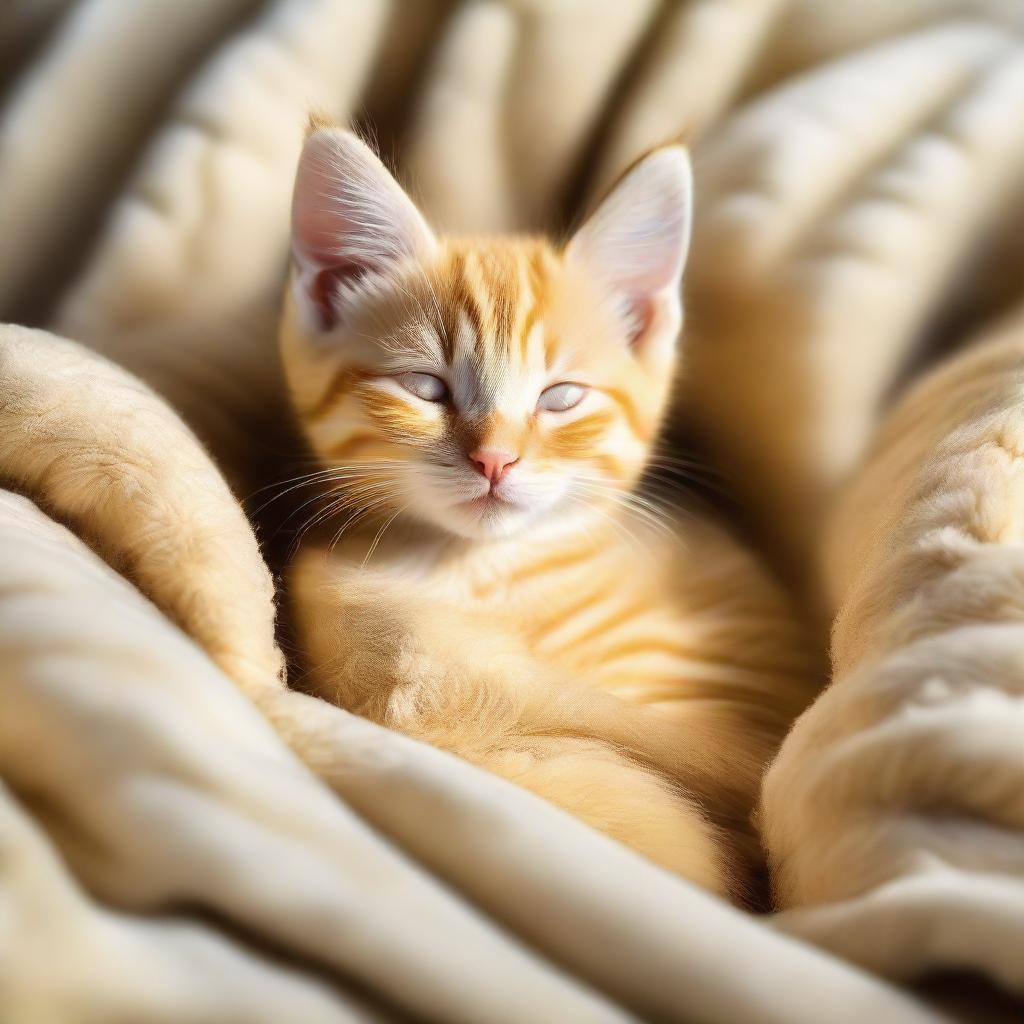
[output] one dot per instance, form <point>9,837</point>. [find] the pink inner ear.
<point>639,314</point>
<point>323,291</point>
<point>319,230</point>
<point>350,220</point>
<point>635,243</point>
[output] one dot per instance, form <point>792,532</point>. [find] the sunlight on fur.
<point>479,569</point>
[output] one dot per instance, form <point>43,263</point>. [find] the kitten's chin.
<point>489,517</point>
<point>480,519</point>
<point>493,521</point>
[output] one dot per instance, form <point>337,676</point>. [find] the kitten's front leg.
<point>392,650</point>
<point>361,633</point>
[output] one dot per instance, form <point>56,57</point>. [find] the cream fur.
<point>434,671</point>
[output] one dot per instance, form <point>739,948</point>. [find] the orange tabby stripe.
<point>576,439</point>
<point>500,279</point>
<point>542,567</point>
<point>530,321</point>
<point>565,614</point>
<point>355,444</point>
<point>611,466</point>
<point>637,424</point>
<point>465,300</point>
<point>618,617</point>
<point>336,390</point>
<point>393,415</point>
<point>642,645</point>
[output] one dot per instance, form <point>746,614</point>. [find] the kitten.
<point>483,410</point>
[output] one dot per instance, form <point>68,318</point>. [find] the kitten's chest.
<point>590,608</point>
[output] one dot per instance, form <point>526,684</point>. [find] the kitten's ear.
<point>350,220</point>
<point>635,243</point>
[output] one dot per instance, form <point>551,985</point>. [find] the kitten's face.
<point>480,386</point>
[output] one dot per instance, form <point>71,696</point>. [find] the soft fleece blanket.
<point>186,839</point>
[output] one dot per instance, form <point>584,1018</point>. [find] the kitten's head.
<point>481,385</point>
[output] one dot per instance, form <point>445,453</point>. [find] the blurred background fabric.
<point>860,220</point>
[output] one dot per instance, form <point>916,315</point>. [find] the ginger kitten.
<point>483,410</point>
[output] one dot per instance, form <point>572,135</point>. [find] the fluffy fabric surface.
<point>893,812</point>
<point>185,838</point>
<point>170,829</point>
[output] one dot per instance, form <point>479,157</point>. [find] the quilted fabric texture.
<point>185,839</point>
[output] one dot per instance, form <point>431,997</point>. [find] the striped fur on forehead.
<point>499,286</point>
<point>485,303</point>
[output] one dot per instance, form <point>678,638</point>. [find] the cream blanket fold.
<point>118,744</point>
<point>894,814</point>
<point>164,791</point>
<point>62,149</point>
<point>183,839</point>
<point>835,214</point>
<point>161,783</point>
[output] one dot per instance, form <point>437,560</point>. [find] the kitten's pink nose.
<point>491,463</point>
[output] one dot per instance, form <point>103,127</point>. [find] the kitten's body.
<point>499,593</point>
<point>635,690</point>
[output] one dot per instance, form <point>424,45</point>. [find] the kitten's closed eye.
<point>424,385</point>
<point>562,397</point>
